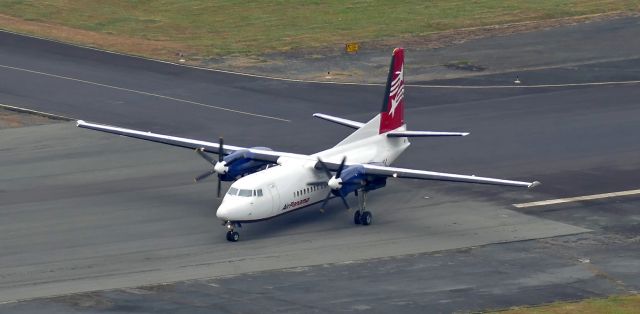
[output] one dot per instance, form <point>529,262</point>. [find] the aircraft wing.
<point>385,171</point>
<point>273,156</point>
<point>211,147</point>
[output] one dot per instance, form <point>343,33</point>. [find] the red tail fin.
<point>392,114</point>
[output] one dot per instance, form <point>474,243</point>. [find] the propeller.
<point>220,166</point>
<point>334,183</point>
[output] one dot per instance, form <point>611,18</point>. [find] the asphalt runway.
<point>84,211</point>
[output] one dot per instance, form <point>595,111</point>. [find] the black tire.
<point>235,236</point>
<point>356,217</point>
<point>366,218</point>
<point>229,236</point>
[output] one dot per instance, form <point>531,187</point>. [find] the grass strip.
<point>629,304</point>
<point>206,28</point>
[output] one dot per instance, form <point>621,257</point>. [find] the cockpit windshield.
<point>245,193</point>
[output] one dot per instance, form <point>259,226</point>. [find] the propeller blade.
<point>219,185</point>
<point>339,172</point>
<point>204,175</point>
<point>324,203</point>
<point>325,168</point>
<point>316,183</point>
<point>221,153</point>
<point>202,154</point>
<point>344,201</point>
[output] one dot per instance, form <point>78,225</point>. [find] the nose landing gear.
<point>232,235</point>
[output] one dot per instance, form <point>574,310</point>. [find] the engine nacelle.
<point>354,178</point>
<point>240,163</point>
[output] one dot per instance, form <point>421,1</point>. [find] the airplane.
<point>270,183</point>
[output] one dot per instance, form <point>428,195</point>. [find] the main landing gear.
<point>362,216</point>
<point>232,235</point>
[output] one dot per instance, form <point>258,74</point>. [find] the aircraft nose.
<point>223,212</point>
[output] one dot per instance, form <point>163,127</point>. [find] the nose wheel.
<point>362,216</point>
<point>232,235</point>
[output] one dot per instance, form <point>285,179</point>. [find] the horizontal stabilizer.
<point>424,134</point>
<point>350,123</point>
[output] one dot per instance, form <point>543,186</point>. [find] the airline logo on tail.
<point>397,91</point>
<point>392,113</point>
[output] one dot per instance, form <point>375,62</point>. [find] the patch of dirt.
<point>465,66</point>
<point>92,300</point>
<point>136,46</point>
<point>458,36</point>
<point>13,119</point>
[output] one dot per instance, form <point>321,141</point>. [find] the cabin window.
<point>232,191</point>
<point>245,193</point>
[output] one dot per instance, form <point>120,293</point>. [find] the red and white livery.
<point>270,183</point>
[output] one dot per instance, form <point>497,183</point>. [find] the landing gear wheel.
<point>366,218</point>
<point>233,236</point>
<point>356,217</point>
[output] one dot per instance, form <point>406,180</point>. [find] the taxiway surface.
<point>86,211</point>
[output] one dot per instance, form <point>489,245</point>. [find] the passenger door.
<point>275,198</point>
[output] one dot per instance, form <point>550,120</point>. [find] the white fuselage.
<point>283,188</point>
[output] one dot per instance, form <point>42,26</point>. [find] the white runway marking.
<point>578,198</point>
<point>143,93</point>
<point>41,113</point>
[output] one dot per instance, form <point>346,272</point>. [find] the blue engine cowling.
<point>241,163</point>
<point>354,178</point>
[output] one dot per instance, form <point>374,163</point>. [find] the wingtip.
<point>465,134</point>
<point>534,184</point>
<point>80,122</point>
